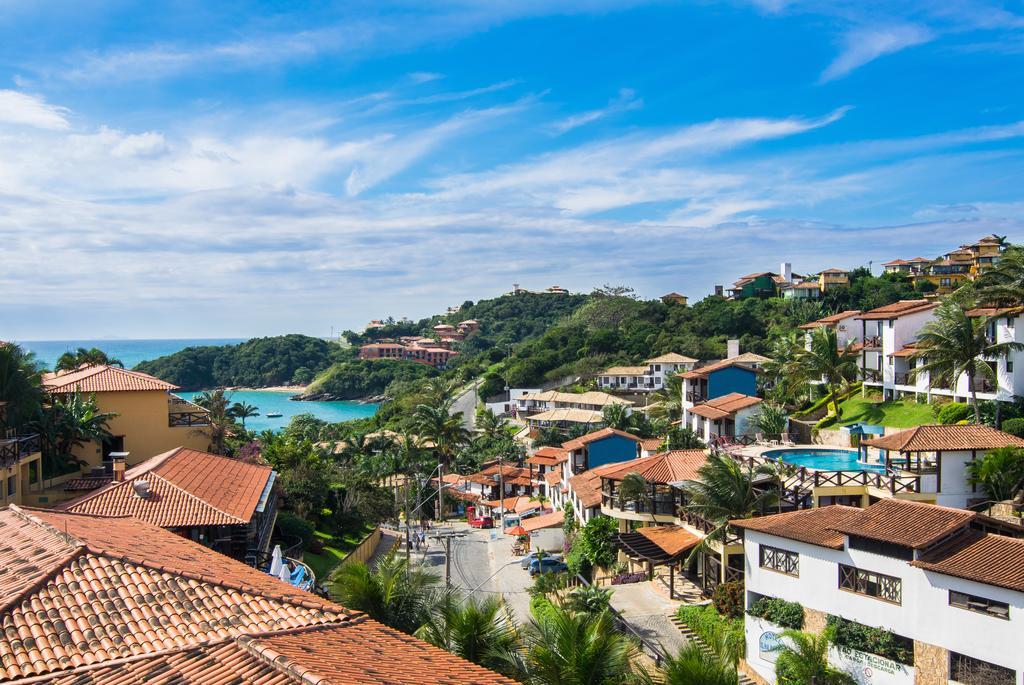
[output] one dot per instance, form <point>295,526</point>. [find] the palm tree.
<point>617,416</point>
<point>490,425</point>
<point>1003,284</point>
<point>444,429</point>
<point>69,361</point>
<point>437,390</point>
<point>954,344</point>
<point>480,631</point>
<point>218,404</point>
<point>693,666</point>
<point>243,411</point>
<point>825,361</point>
<point>668,401</point>
<point>634,488</point>
<point>392,593</point>
<point>71,421</point>
<point>777,372</point>
<point>803,659</point>
<point>21,391</point>
<point>569,648</point>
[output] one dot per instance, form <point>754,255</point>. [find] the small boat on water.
<point>274,415</point>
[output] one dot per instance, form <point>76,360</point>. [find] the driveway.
<point>647,611</point>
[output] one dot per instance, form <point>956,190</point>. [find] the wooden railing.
<point>364,550</point>
<point>16,448</point>
<point>804,477</point>
<point>185,419</point>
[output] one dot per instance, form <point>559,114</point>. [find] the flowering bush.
<point>626,578</point>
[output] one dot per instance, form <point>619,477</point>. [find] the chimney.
<point>719,291</point>
<point>732,348</point>
<point>786,271</point>
<point>119,459</point>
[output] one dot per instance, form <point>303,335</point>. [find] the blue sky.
<point>234,169</point>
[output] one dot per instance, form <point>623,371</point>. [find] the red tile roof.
<point>704,371</point>
<point>186,488</point>
<point>813,526</point>
<point>667,467</point>
<point>671,539</point>
<point>945,438</point>
<point>901,522</point>
<point>549,520</point>
<point>103,379</point>
<point>898,309</point>
<point>831,320</point>
<point>651,444</point>
<point>587,487</point>
<point>548,456</point>
<point>117,601</point>
<point>579,442</point>
<point>552,477</point>
<point>993,311</point>
<point>724,406</point>
<point>982,557</point>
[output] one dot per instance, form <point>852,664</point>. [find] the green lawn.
<point>896,414</point>
<point>335,549</point>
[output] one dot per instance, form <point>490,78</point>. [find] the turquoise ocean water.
<point>131,352</point>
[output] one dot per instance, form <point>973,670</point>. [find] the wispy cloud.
<point>865,45</point>
<point>29,110</point>
<point>623,102</point>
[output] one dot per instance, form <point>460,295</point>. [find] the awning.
<point>657,545</point>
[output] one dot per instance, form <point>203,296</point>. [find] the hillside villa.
<point>720,398</point>
<point>20,463</point>
<point>648,377</point>
<point>562,409</point>
<point>945,585</point>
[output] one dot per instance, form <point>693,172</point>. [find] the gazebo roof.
<point>657,545</point>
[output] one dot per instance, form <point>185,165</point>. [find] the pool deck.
<point>758,451</point>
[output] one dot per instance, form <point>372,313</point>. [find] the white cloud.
<point>865,45</point>
<point>626,100</point>
<point>28,110</point>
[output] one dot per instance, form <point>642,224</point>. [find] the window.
<point>944,282</point>
<point>12,486</point>
<point>970,671</point>
<point>885,549</point>
<point>870,584</point>
<point>1009,366</point>
<point>981,605</point>
<point>781,560</point>
<point>1009,322</point>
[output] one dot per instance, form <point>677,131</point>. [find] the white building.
<point>884,331</point>
<point>949,584</point>
<point>651,376</point>
<point>730,415</point>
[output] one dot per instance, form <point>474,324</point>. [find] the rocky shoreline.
<point>328,397</point>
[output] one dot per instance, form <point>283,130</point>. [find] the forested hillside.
<point>260,362</point>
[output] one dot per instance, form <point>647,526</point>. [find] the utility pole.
<point>408,541</point>
<point>440,486</point>
<point>446,539</point>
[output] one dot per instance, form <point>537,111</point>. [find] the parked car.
<point>528,559</point>
<point>547,565</point>
<point>482,522</point>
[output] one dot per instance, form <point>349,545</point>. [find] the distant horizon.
<point>241,167</point>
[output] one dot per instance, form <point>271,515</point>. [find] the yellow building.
<point>832,278</point>
<point>150,419</point>
<point>962,265</point>
<point>20,464</point>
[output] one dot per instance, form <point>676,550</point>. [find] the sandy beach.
<point>294,389</point>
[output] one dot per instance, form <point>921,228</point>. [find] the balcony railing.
<point>14,449</point>
<point>696,397</point>
<point>871,375</point>
<point>873,341</point>
<point>903,379</point>
<point>184,419</point>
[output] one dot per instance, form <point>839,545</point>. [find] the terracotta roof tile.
<point>945,438</point>
<point>671,539</point>
<point>516,505</point>
<point>813,526</point>
<point>587,487</point>
<point>579,442</point>
<point>672,358</point>
<point>624,371</point>
<point>548,456</point>
<point>651,444</point>
<point>704,371</point>
<point>982,557</point>
<point>103,379</point>
<point>667,467</point>
<point>898,309</point>
<point>549,520</point>
<point>901,522</point>
<point>831,320</point>
<point>552,477</point>
<point>724,406</point>
<point>186,488</point>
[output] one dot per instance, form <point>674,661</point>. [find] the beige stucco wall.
<point>142,420</point>
<point>932,664</point>
<point>814,620</point>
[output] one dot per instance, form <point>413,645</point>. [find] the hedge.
<point>954,412</point>
<point>724,635</point>
<point>854,388</point>
<point>779,611</point>
<point>886,644</point>
<point>1014,427</point>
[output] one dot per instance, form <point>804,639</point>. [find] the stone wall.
<point>932,664</point>
<point>744,668</point>
<point>814,621</point>
<point>833,437</point>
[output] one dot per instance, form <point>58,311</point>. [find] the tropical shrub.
<point>772,420</point>
<point>588,599</point>
<point>292,526</point>
<point>724,635</point>
<point>728,599</point>
<point>779,611</point>
<point>1000,472</point>
<point>955,412</point>
<point>594,545</point>
<point>693,666</point>
<point>1013,427</point>
<point>878,641</point>
<point>803,660</point>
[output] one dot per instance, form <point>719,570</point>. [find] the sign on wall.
<point>870,669</point>
<point>768,645</point>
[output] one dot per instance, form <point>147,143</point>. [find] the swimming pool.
<point>823,459</point>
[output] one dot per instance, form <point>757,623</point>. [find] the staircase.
<point>691,636</point>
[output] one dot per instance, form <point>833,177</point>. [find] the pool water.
<point>824,459</point>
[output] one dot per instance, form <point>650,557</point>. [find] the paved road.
<point>466,403</point>
<point>647,611</point>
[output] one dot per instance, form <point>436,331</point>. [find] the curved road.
<point>466,402</point>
